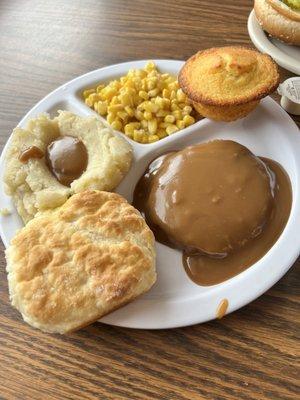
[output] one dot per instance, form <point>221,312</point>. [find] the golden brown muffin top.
<point>228,76</point>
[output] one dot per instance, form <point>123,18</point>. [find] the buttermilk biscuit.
<point>32,186</point>
<point>226,83</point>
<point>70,266</point>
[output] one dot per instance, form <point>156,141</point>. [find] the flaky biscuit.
<point>32,186</point>
<point>70,266</point>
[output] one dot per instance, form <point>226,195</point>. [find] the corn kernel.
<point>110,118</point>
<point>171,129</point>
<point>188,120</point>
<point>169,119</point>
<point>144,124</point>
<point>149,66</point>
<point>158,101</point>
<point>174,107</point>
<point>109,92</point>
<point>115,108</point>
<point>161,133</point>
<point>153,138</point>
<point>173,95</point>
<point>139,115</point>
<point>153,92</point>
<point>162,113</point>
<point>99,88</point>
<point>138,134</point>
<point>125,99</point>
<point>180,124</point>
<point>89,102</point>
<point>115,100</point>
<point>87,92</point>
<point>94,97</point>
<point>148,115</point>
<point>151,107</point>
<point>187,110</point>
<point>129,128</point>
<point>117,125</point>
<point>129,111</point>
<point>102,107</point>
<point>174,86</point>
<point>166,103</point>
<point>152,126</point>
<point>166,93</point>
<point>143,94</point>
<point>181,97</point>
<point>122,115</point>
<point>177,114</point>
<point>163,125</point>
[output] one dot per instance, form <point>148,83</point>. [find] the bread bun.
<point>279,20</point>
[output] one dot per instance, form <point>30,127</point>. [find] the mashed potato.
<point>31,184</point>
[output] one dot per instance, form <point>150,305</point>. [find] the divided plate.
<point>175,300</point>
<point>285,55</point>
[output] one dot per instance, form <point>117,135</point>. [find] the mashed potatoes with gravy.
<point>32,185</point>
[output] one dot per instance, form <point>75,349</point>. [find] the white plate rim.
<point>261,41</point>
<point>182,310</point>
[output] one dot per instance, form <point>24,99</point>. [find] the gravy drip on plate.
<point>66,159</point>
<point>222,308</point>
<point>31,152</point>
<point>217,202</point>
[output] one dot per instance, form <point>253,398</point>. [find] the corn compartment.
<point>145,105</point>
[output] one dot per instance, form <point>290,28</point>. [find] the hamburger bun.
<point>279,20</point>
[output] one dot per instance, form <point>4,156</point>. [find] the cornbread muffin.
<point>226,83</point>
<point>70,266</point>
<point>31,184</point>
<point>281,19</point>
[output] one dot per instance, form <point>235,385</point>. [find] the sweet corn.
<point>117,125</point>
<point>152,126</point>
<point>144,95</point>
<point>102,107</point>
<point>180,124</point>
<point>144,104</point>
<point>129,111</point>
<point>144,123</point>
<point>148,115</point>
<point>153,138</point>
<point>169,118</point>
<point>171,129</point>
<point>177,114</point>
<point>110,118</point>
<point>123,115</point>
<point>188,120</point>
<point>181,97</point>
<point>87,92</point>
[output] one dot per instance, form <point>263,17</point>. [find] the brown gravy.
<point>66,159</point>
<point>31,152</point>
<point>222,308</point>
<point>218,203</point>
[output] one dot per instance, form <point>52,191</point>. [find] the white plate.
<point>285,55</point>
<point>175,300</point>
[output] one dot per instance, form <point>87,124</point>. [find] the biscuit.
<point>70,266</point>
<point>228,76</point>
<point>32,186</point>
